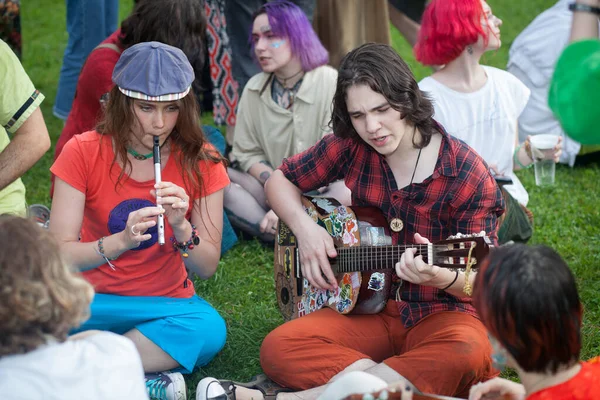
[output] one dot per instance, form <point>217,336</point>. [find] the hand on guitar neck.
<point>414,270</point>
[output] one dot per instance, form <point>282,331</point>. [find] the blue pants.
<point>190,330</point>
<point>89,22</point>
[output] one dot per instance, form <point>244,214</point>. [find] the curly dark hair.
<point>379,67</point>
<point>40,295</point>
<point>178,23</point>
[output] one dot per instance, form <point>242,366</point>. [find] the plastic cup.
<point>544,166</point>
<point>544,172</point>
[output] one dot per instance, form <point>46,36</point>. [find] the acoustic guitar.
<point>365,260</point>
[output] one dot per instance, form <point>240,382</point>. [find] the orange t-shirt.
<point>583,386</point>
<point>150,269</point>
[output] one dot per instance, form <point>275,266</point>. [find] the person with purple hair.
<point>284,110</point>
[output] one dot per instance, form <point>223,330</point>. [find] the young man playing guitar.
<point>394,156</point>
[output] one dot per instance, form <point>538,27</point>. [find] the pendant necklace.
<point>284,83</point>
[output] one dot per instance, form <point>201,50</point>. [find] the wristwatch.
<point>584,7</point>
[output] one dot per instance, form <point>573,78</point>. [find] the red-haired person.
<point>539,335</point>
<point>477,103</point>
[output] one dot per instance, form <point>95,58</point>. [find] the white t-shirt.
<point>532,59</point>
<point>99,367</point>
<point>486,119</point>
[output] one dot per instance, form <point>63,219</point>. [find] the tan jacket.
<point>267,132</point>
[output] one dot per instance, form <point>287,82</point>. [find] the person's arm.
<point>314,242</point>
<point>66,217</point>
<point>261,170</point>
<point>207,217</point>
<point>522,157</point>
<point>309,170</point>
<point>406,26</point>
<point>28,144</point>
<point>585,24</point>
<point>414,270</point>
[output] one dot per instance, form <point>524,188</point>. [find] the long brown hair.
<point>187,139</point>
<point>379,67</point>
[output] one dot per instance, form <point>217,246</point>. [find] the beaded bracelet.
<point>516,157</point>
<point>100,251</point>
<point>185,246</point>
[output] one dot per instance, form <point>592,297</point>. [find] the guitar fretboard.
<point>366,258</point>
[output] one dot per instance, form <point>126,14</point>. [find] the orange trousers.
<point>445,353</point>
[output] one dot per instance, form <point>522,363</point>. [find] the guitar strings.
<point>348,257</point>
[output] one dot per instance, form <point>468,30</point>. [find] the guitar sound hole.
<point>285,296</point>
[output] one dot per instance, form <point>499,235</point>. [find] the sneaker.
<point>211,389</point>
<point>166,386</point>
<point>40,214</point>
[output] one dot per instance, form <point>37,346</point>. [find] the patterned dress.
<point>225,93</point>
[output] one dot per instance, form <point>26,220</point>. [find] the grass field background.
<point>566,215</point>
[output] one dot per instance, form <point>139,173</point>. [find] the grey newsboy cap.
<point>153,71</point>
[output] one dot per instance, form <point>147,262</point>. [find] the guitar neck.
<point>368,258</point>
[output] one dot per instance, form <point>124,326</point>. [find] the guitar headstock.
<point>454,251</point>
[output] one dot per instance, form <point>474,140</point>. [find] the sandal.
<point>261,382</point>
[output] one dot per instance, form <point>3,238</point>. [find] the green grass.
<point>567,216</point>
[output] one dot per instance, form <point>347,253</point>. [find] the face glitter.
<point>277,44</point>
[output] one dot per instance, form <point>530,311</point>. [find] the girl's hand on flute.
<point>174,200</point>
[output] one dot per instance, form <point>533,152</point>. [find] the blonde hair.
<point>40,295</point>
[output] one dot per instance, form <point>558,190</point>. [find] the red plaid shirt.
<point>460,196</point>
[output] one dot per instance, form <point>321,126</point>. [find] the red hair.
<point>447,28</point>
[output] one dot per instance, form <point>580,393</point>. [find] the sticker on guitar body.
<point>339,224</point>
<point>312,213</point>
<point>314,299</point>
<point>324,203</point>
<point>377,281</point>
